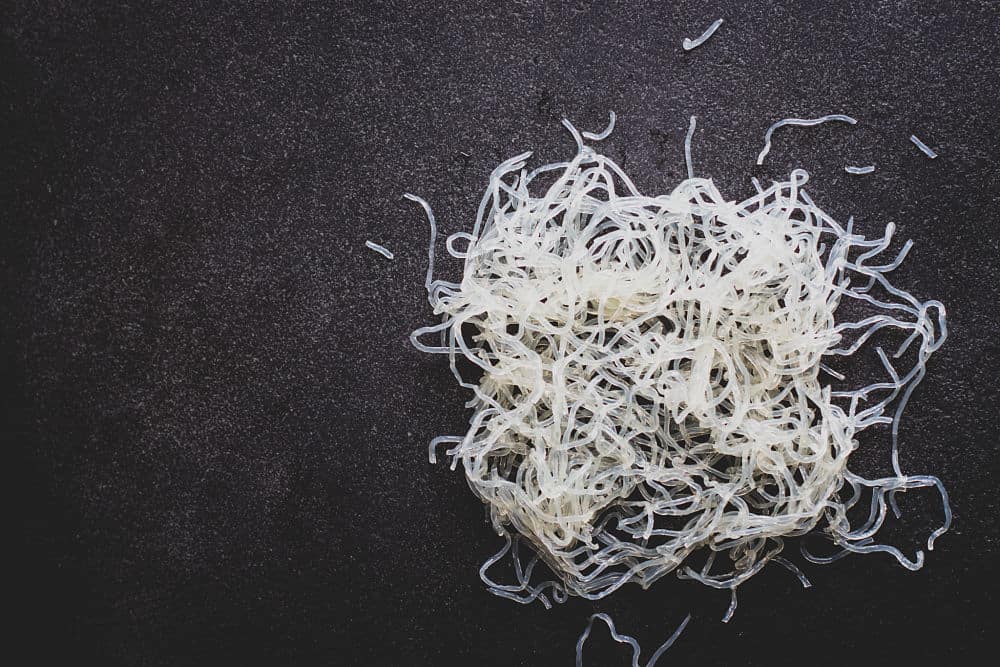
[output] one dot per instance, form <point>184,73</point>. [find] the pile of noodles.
<point>652,393</point>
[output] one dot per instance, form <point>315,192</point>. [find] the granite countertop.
<point>219,427</point>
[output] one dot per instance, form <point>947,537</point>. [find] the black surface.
<point>218,427</point>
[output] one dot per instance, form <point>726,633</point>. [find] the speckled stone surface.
<point>217,424</point>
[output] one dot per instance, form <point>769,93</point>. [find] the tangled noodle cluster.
<point>652,375</point>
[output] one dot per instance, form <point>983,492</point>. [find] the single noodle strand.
<point>380,249</point>
<point>689,44</point>
<point>800,122</point>
<point>923,147</point>
<point>687,146</point>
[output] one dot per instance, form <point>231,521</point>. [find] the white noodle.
<point>428,281</point>
<point>794,569</point>
<point>654,376</point>
<point>923,147</point>
<point>687,146</point>
<point>801,122</point>
<point>733,601</point>
<point>860,170</point>
<point>382,250</point>
<point>698,41</point>
<point>602,135</point>
<point>626,639</point>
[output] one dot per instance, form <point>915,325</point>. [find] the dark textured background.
<point>217,425</point>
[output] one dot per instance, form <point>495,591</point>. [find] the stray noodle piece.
<point>800,122</point>
<point>923,147</point>
<point>698,41</point>
<point>860,170</point>
<point>626,639</point>
<point>382,250</point>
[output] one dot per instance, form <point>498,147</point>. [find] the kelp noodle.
<point>655,388</point>
<point>626,639</point>
<point>380,249</point>
<point>924,148</point>
<point>800,122</point>
<point>689,44</point>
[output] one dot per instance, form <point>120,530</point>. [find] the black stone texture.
<point>218,427</point>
